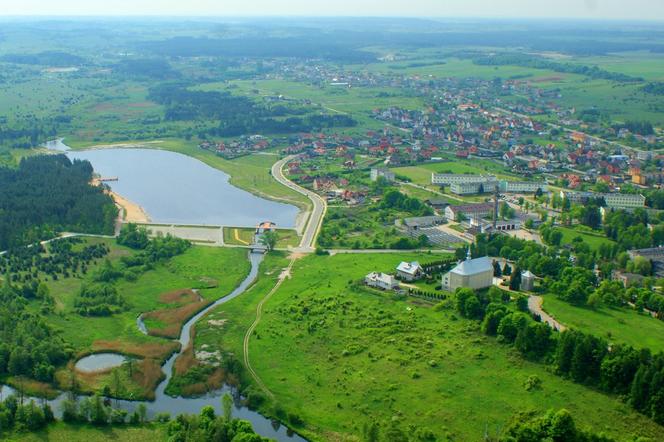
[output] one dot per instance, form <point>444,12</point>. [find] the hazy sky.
<point>599,9</point>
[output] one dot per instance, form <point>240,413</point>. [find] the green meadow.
<point>339,356</point>
<point>619,325</point>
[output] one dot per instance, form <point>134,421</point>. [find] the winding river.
<point>176,405</point>
<point>175,188</point>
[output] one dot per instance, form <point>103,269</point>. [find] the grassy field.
<point>60,432</point>
<point>621,325</point>
<point>245,236</point>
<point>339,357</point>
<point>593,239</point>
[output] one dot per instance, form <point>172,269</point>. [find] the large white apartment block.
<point>447,179</point>
<point>461,184</point>
<point>472,188</point>
<point>612,200</point>
<point>521,186</point>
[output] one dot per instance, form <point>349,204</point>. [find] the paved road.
<point>535,306</point>
<point>308,242</point>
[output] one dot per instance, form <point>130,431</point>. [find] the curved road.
<point>535,306</point>
<point>308,242</point>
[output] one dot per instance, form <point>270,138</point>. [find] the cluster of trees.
<point>99,300</point>
<point>637,127</point>
<point>654,88</point>
<point>552,425</point>
<point>28,345</point>
<point>393,199</point>
<point>47,194</point>
<point>151,251</point>
<point>532,61</point>
<point>630,229</point>
<point>206,426</point>
<point>18,416</point>
<point>238,115</point>
<point>24,264</point>
<point>25,136</point>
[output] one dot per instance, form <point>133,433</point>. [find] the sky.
<point>579,9</point>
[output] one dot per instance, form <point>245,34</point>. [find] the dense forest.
<point>28,346</point>
<point>238,115</point>
<point>48,194</point>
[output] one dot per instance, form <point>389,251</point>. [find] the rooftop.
<point>473,266</point>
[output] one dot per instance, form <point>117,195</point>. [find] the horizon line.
<point>306,16</point>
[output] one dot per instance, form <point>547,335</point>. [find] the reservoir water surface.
<point>177,189</point>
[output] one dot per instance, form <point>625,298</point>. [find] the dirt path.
<point>286,273</point>
<point>535,307</point>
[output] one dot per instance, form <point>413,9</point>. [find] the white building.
<point>409,271</point>
<point>474,274</point>
<point>384,173</point>
<point>469,211</point>
<point>472,188</point>
<point>612,200</point>
<point>381,280</point>
<point>522,186</point>
<point>447,179</point>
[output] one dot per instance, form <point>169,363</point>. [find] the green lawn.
<point>621,325</point>
<point>593,239</point>
<point>340,357</point>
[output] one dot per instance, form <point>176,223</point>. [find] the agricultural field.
<point>619,325</point>
<point>371,356</point>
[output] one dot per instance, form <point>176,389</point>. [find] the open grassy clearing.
<point>593,239</point>
<point>339,357</point>
<point>621,325</point>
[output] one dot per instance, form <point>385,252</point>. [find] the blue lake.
<point>175,188</point>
